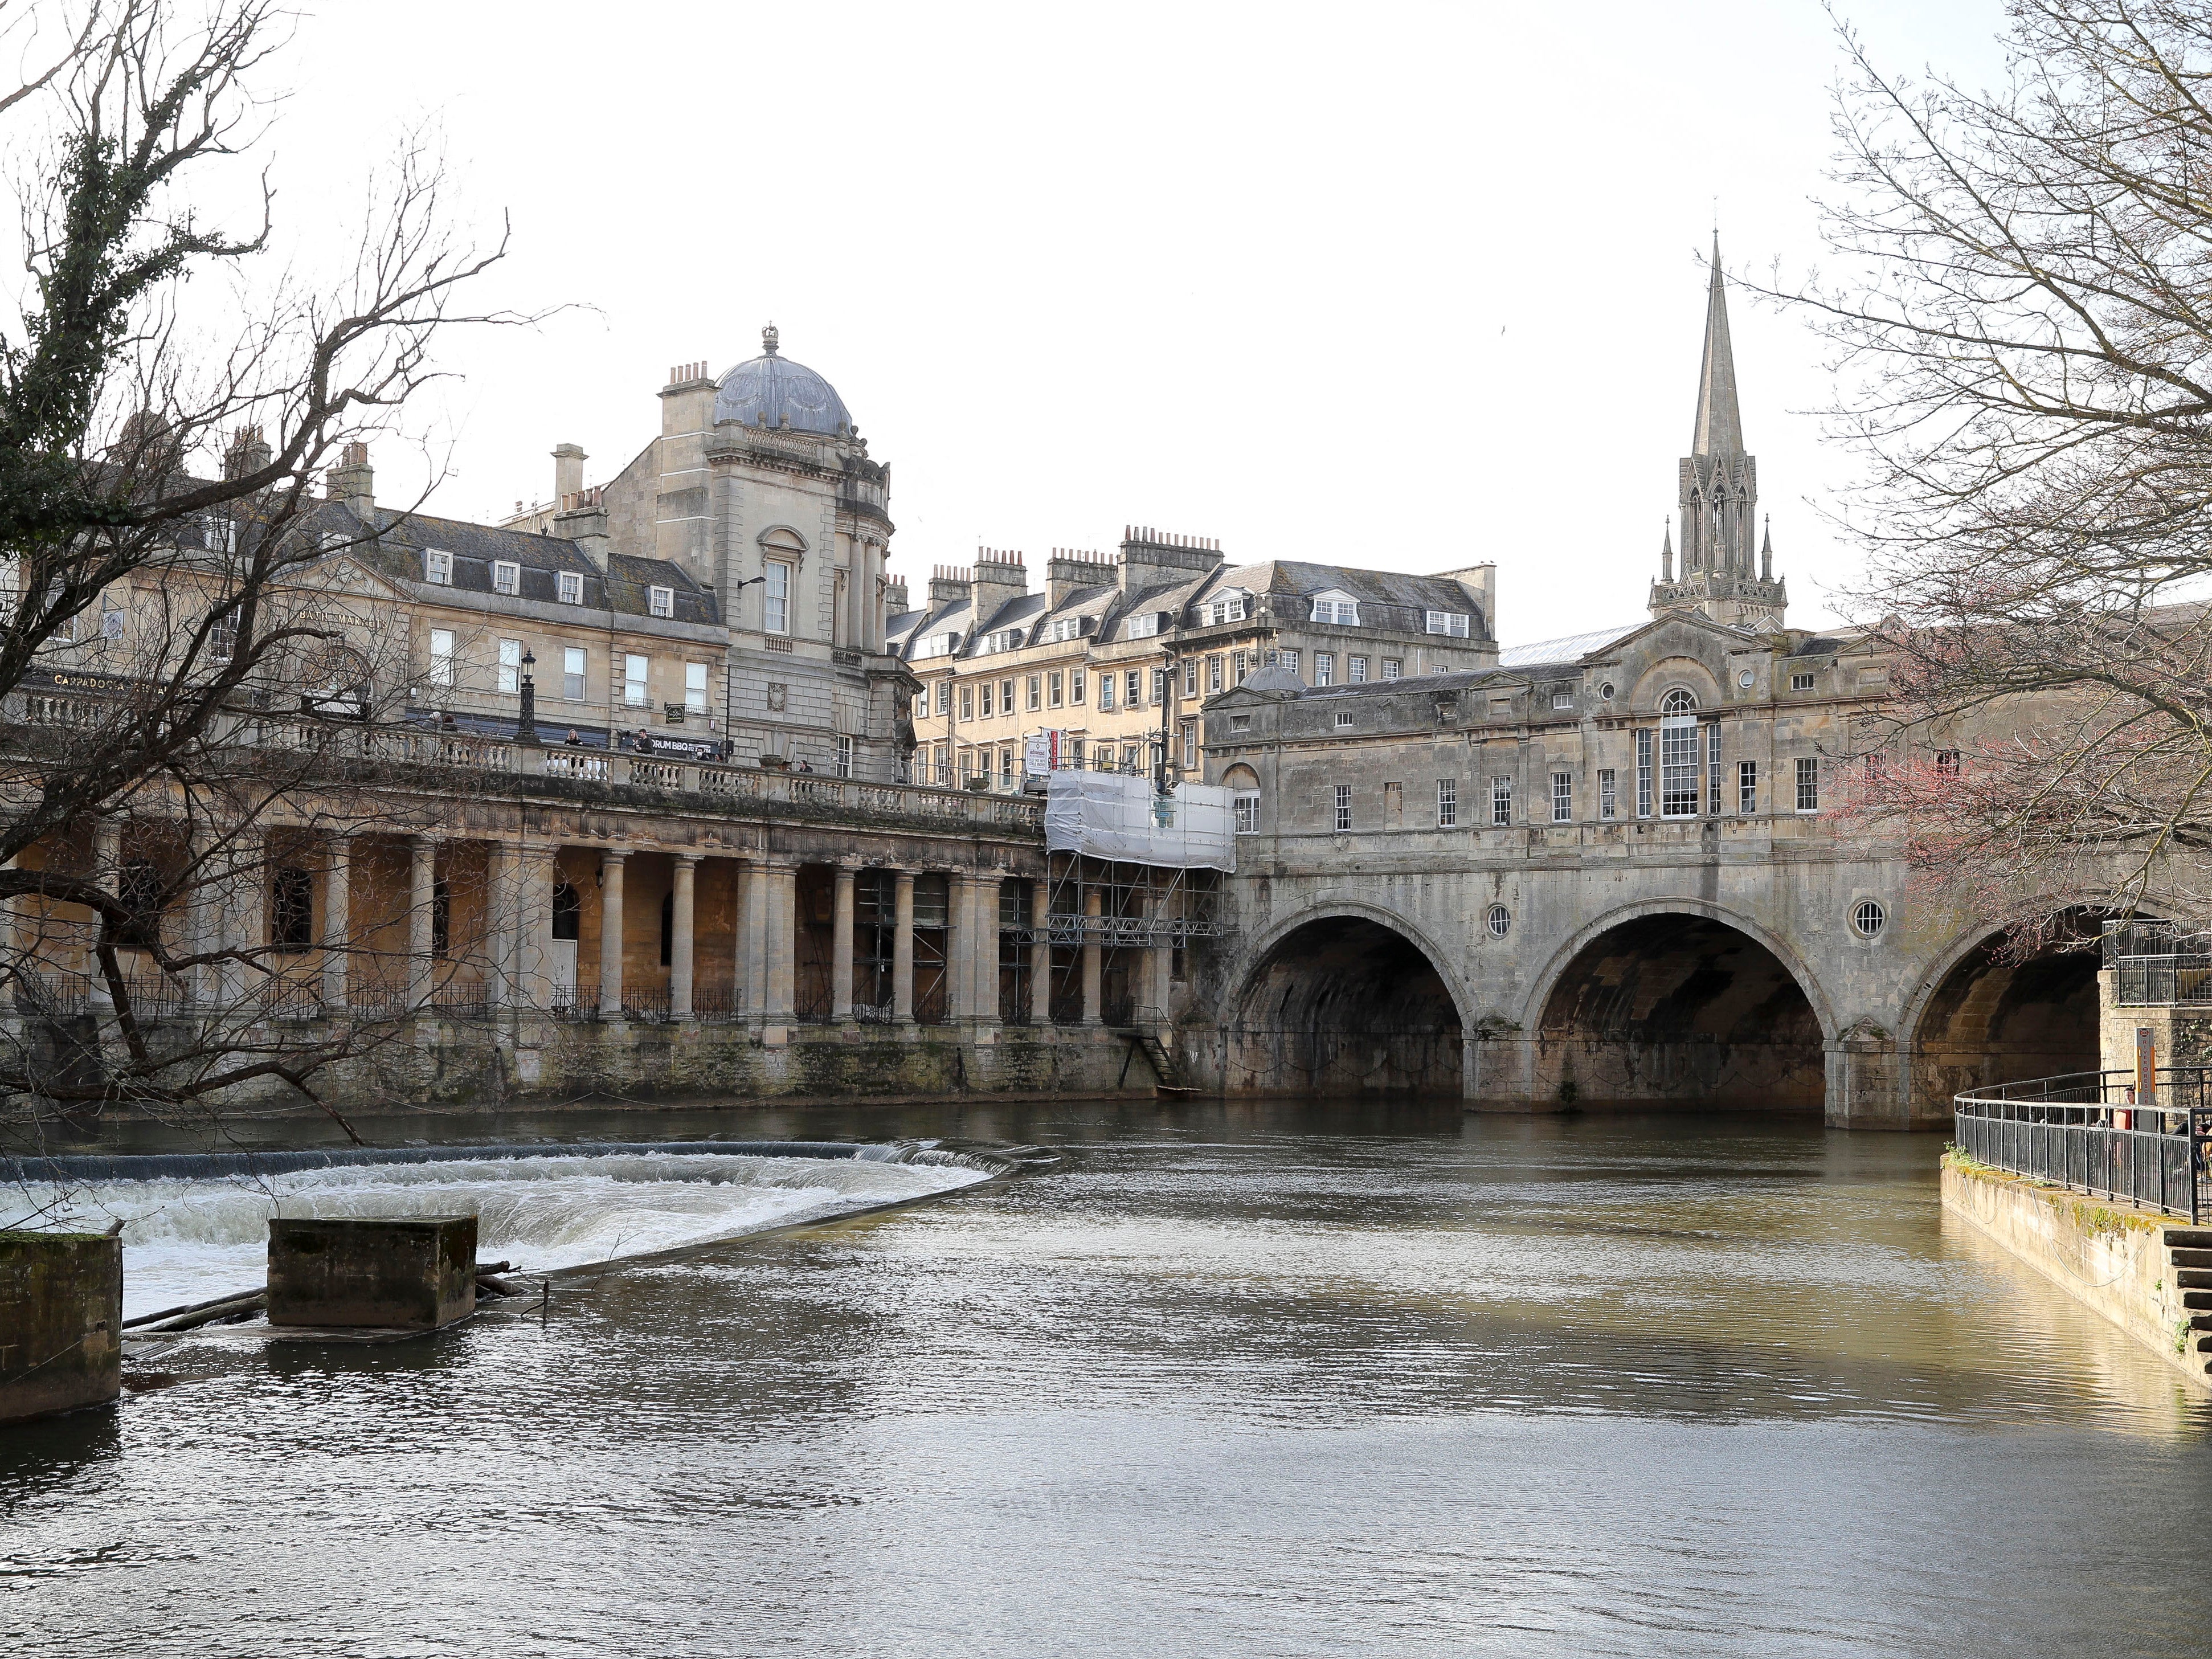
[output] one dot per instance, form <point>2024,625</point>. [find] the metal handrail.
<point>2090,1132</point>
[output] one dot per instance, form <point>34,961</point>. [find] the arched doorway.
<point>1683,1009</point>
<point>1344,1006</point>
<point>2000,1016</point>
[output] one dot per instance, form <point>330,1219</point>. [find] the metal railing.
<point>2087,1131</point>
<point>645,1006</point>
<point>571,1002</point>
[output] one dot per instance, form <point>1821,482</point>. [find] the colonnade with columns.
<point>427,921</point>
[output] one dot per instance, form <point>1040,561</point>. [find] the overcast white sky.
<point>1402,285</point>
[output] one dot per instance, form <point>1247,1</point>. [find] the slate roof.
<point>402,538</point>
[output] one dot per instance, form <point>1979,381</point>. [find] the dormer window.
<point>1226,608</point>
<point>935,645</point>
<point>1340,609</point>
<point>660,601</point>
<point>437,567</point>
<point>1065,628</point>
<point>506,578</point>
<point>1142,627</point>
<point>571,588</point>
<point>1004,638</point>
<point>1452,623</point>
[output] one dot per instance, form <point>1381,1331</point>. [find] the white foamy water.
<point>188,1240</point>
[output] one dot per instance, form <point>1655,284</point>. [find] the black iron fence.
<point>2157,962</point>
<point>2088,1131</point>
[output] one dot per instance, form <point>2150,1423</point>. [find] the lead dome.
<point>773,391</point>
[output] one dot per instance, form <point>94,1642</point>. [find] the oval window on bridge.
<point>1868,918</point>
<point>1500,921</point>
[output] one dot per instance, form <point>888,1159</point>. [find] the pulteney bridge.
<point>1620,874</point>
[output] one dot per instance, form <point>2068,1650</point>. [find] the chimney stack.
<point>1001,577</point>
<point>582,518</point>
<point>568,470</point>
<point>950,584</point>
<point>353,480</point>
<point>248,453</point>
<point>1070,570</point>
<point>1151,558</point>
<point>895,602</point>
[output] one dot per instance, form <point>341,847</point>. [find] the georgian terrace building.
<point>1112,661</point>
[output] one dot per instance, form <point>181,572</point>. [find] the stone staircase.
<point>2189,1261</point>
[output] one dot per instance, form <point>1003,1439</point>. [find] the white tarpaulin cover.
<point>1113,814</point>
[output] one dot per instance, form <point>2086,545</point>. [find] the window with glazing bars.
<point>1563,798</point>
<point>1447,803</point>
<point>1678,756</point>
<point>1608,801</point>
<point>1501,799</point>
<point>1643,771</point>
<point>1747,787</point>
<point>1713,797</point>
<point>1809,784</point>
<point>1343,806</point>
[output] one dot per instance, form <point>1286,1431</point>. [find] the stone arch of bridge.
<point>1345,998</point>
<point>1682,1001</point>
<point>1980,1016</point>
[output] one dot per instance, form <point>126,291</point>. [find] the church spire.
<point>1667,552</point>
<point>1718,503</point>
<point>1720,427</point>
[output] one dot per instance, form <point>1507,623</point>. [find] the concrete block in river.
<point>61,1321</point>
<point>405,1275</point>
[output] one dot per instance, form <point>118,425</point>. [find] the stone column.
<point>750,944</point>
<point>959,947</point>
<point>502,945</point>
<point>1161,961</point>
<point>421,895</point>
<point>1040,953</point>
<point>201,925</point>
<point>875,595</point>
<point>611,934</point>
<point>107,871</point>
<point>902,951</point>
<point>539,874</point>
<point>783,942</point>
<point>841,948</point>
<point>1094,976</point>
<point>338,920</point>
<point>238,919</point>
<point>680,941</point>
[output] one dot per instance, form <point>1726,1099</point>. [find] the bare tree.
<point>2022,325</point>
<point>175,652</point>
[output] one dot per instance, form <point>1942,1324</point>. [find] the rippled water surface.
<point>1321,1382</point>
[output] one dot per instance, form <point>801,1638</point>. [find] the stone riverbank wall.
<point>531,1060</point>
<point>2134,1267</point>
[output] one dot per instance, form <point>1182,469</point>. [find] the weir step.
<point>2189,1239</point>
<point>2189,1258</point>
<point>2197,1299</point>
<point>2193,1278</point>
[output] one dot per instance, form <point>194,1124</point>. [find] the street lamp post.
<point>525,725</point>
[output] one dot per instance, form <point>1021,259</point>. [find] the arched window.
<point>1243,784</point>
<point>1678,755</point>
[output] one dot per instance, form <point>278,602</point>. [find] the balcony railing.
<point>746,786</point>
